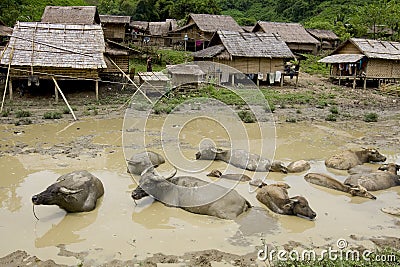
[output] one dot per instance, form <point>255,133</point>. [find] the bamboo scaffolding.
<point>8,75</point>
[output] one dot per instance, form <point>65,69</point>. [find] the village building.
<point>115,27</point>
<point>158,33</point>
<point>327,38</point>
<point>200,28</point>
<point>262,56</point>
<point>71,15</point>
<point>51,51</point>
<point>365,59</point>
<point>5,33</point>
<point>294,35</point>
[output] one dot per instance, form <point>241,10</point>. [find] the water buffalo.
<point>191,194</point>
<point>276,198</point>
<point>74,192</point>
<point>349,158</point>
<point>298,166</point>
<point>241,159</point>
<point>232,176</point>
<point>385,177</point>
<point>329,182</point>
<point>141,161</point>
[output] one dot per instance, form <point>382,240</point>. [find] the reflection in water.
<point>66,231</point>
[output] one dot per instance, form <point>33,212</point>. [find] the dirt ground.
<point>352,103</point>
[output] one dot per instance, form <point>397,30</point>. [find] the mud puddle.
<point>34,156</point>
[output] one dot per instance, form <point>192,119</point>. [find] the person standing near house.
<point>149,66</point>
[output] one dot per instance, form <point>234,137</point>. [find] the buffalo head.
<point>300,207</point>
<point>54,195</point>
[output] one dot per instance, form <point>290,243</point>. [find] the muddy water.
<point>118,229</point>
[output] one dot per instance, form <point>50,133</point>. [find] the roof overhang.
<point>342,58</point>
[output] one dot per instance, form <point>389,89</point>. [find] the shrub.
<point>22,114</point>
<point>331,117</point>
<point>291,120</point>
<point>6,113</point>
<point>247,116</point>
<point>52,115</point>
<point>334,110</point>
<point>371,117</point>
<point>67,111</point>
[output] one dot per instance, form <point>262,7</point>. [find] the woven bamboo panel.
<point>349,48</point>
<point>114,31</point>
<point>121,61</point>
<point>61,73</point>
<point>378,68</point>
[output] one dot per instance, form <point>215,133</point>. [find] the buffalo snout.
<point>35,200</point>
<point>138,193</point>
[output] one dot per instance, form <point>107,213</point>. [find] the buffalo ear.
<point>67,191</point>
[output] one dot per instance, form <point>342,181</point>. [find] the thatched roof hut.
<point>250,53</point>
<point>294,35</point>
<point>64,51</point>
<point>115,27</point>
<point>200,28</point>
<point>365,59</point>
<point>71,15</point>
<point>158,32</point>
<point>327,38</point>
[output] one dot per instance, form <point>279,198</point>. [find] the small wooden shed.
<point>62,51</point>
<point>327,38</point>
<point>158,33</point>
<point>257,54</point>
<point>115,27</point>
<point>200,28</point>
<point>365,59</point>
<point>71,15</point>
<point>294,35</point>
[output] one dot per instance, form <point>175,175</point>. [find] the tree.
<point>182,8</point>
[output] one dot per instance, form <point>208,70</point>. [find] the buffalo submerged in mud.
<point>191,194</point>
<point>241,159</point>
<point>77,191</point>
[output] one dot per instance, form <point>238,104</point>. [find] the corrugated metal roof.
<point>342,58</point>
<point>56,45</point>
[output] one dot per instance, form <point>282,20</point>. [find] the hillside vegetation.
<point>347,18</point>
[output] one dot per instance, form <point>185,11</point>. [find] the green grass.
<point>52,115</point>
<point>311,65</point>
<point>334,110</point>
<point>331,117</point>
<point>247,116</point>
<point>22,114</point>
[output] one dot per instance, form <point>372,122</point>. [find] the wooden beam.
<point>56,93</point>
<point>97,90</point>
<point>65,100</point>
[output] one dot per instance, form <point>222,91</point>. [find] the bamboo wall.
<point>121,61</point>
<point>61,73</point>
<point>114,31</point>
<point>349,48</point>
<point>380,68</point>
<point>297,47</point>
<point>254,65</point>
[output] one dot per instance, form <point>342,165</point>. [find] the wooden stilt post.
<point>97,90</point>
<point>233,79</point>
<point>365,83</point>
<point>10,89</point>
<point>354,82</point>
<point>5,88</point>
<point>282,78</point>
<point>56,93</point>
<point>297,79</point>
<point>65,100</point>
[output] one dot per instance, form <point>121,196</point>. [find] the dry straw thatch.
<point>290,32</point>
<point>56,45</point>
<point>323,34</point>
<point>213,23</point>
<point>240,44</point>
<point>115,19</point>
<point>71,15</point>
